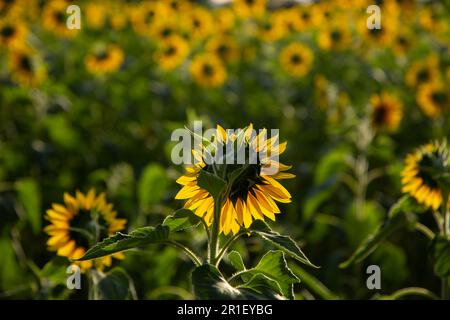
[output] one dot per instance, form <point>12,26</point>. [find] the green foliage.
<point>152,185</point>
<point>284,243</point>
<point>30,197</point>
<point>113,285</point>
<point>441,256</point>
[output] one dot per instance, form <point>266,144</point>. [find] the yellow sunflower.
<point>402,42</point>
<point>104,59</point>
<point>144,15</point>
<point>433,99</point>
<point>296,59</point>
<point>208,70</point>
<point>12,34</point>
<point>249,8</point>
<point>271,29</point>
<point>172,52</point>
<point>224,19</point>
<point>418,179</point>
<point>386,112</point>
<point>223,46</point>
<point>379,37</point>
<point>198,23</point>
<point>79,223</point>
<point>96,14</point>
<point>423,71</point>
<point>336,37</point>
<point>26,67</point>
<point>252,195</point>
<point>54,18</point>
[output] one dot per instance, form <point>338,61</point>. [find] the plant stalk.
<point>213,244</point>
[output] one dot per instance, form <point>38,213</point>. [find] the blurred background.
<point>95,108</point>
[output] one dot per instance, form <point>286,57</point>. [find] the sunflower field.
<point>91,93</point>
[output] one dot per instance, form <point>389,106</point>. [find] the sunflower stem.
<point>445,233</point>
<point>213,244</point>
<point>227,245</point>
<point>196,260</point>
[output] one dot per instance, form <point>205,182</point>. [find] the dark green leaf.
<point>273,265</point>
<point>262,285</point>
<point>182,219</point>
<point>30,197</point>
<point>114,285</point>
<point>209,283</point>
<point>391,225</point>
<point>236,260</point>
<point>211,183</point>
<point>284,243</point>
<point>152,185</point>
<point>441,254</point>
<point>120,242</point>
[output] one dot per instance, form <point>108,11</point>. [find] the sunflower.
<point>162,30</point>
<point>104,59</point>
<point>419,178</point>
<point>26,67</point>
<point>296,59</point>
<point>336,37</point>
<point>402,42</point>
<point>380,37</point>
<point>252,194</point>
<point>55,18</point>
<point>172,52</point>
<point>144,15</point>
<point>208,70</point>
<point>423,71</point>
<point>81,220</point>
<point>249,8</point>
<point>96,15</point>
<point>387,112</point>
<point>272,29</point>
<point>224,19</point>
<point>433,99</point>
<point>198,23</point>
<point>223,46</point>
<point>12,34</point>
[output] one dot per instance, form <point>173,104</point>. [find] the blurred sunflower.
<point>249,8</point>
<point>96,14</point>
<point>54,18</point>
<point>172,52</point>
<point>386,112</point>
<point>208,70</point>
<point>271,28</point>
<point>433,99</point>
<point>296,59</point>
<point>104,59</point>
<point>423,71</point>
<point>379,37</point>
<point>198,23</point>
<point>419,175</point>
<point>224,19</point>
<point>26,67</point>
<point>291,19</point>
<point>223,46</point>
<point>79,223</point>
<point>163,30</point>
<point>144,15</point>
<point>402,42</point>
<point>252,195</point>
<point>12,34</point>
<point>335,37</point>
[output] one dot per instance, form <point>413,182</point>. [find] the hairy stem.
<point>213,244</point>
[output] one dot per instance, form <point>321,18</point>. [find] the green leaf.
<point>406,204</point>
<point>120,242</point>
<point>273,265</point>
<point>30,197</point>
<point>211,183</point>
<point>236,260</point>
<point>152,185</point>
<point>208,283</point>
<point>441,255</point>
<point>317,196</point>
<point>284,243</point>
<point>396,222</point>
<point>262,285</point>
<point>313,284</point>
<point>114,285</point>
<point>182,219</point>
